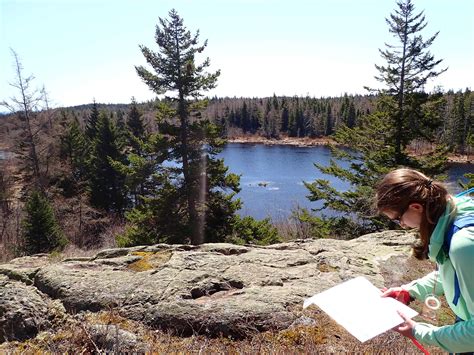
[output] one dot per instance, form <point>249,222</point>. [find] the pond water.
<point>272,176</point>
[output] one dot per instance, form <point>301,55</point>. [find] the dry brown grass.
<point>325,336</point>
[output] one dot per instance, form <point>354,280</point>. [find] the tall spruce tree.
<point>106,184</point>
<point>465,110</point>
<point>371,156</point>
<point>41,232</point>
<point>141,161</point>
<point>404,112</point>
<point>74,153</point>
<point>409,65</point>
<point>91,124</point>
<point>134,121</point>
<point>191,203</point>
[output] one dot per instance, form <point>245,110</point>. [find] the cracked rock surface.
<point>22,310</point>
<point>213,289</point>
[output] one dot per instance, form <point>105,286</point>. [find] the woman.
<point>413,200</point>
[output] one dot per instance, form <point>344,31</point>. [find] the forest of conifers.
<point>276,117</point>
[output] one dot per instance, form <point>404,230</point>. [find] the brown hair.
<point>400,188</point>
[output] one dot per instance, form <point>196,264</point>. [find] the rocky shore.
<point>300,142</point>
<point>310,142</point>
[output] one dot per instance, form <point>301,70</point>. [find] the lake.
<point>272,176</point>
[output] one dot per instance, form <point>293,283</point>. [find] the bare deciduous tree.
<point>26,104</point>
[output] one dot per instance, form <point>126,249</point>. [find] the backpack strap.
<point>458,224</point>
<point>467,192</point>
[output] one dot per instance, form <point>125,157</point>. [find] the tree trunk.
<point>190,193</point>
<point>401,97</point>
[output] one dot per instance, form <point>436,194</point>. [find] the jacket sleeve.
<point>456,338</point>
<point>459,337</point>
<point>424,286</point>
<point>462,256</point>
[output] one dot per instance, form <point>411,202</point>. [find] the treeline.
<point>276,117</point>
<point>279,116</point>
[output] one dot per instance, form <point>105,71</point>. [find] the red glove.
<point>398,293</point>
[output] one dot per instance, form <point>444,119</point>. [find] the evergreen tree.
<point>225,122</point>
<point>141,161</point>
<point>464,109</point>
<point>292,124</point>
<point>123,134</point>
<point>351,115</point>
<point>74,151</point>
<point>266,126</point>
<point>135,123</point>
<point>234,118</point>
<point>142,166</point>
<point>378,141</point>
<point>106,184</point>
<point>41,232</point>
<point>249,231</point>
<point>284,117</point>
<point>255,118</point>
<point>409,65</point>
<point>370,157</point>
<point>275,104</point>
<point>344,111</point>
<point>91,124</point>
<point>328,126</point>
<point>245,118</point>
<point>190,203</point>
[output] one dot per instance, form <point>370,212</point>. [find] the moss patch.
<point>149,260</point>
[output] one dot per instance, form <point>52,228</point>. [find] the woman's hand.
<point>398,293</point>
<point>406,328</point>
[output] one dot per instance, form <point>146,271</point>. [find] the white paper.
<point>357,306</point>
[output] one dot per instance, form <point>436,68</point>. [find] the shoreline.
<point>300,142</point>
<point>312,142</point>
<point>306,142</point>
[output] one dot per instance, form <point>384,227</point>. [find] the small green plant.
<point>248,230</point>
<point>41,231</point>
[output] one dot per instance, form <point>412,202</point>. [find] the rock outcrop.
<point>213,289</point>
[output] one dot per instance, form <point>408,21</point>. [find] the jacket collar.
<point>436,252</point>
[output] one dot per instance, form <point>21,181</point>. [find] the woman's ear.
<point>415,206</point>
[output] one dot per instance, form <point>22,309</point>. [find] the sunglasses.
<point>398,219</point>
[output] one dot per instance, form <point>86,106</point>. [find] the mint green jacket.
<point>458,337</point>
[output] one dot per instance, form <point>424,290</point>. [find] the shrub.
<point>248,230</point>
<point>41,231</point>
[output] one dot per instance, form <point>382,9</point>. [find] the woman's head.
<point>414,200</point>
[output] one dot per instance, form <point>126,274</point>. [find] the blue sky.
<point>86,49</point>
